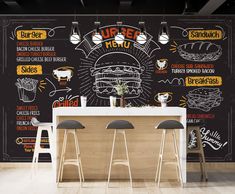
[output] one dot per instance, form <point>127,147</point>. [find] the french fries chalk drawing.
<point>27,88</point>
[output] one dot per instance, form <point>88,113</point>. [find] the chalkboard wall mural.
<point>42,67</point>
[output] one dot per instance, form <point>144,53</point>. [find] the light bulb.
<point>141,38</point>
<point>75,38</point>
<point>119,38</point>
<point>163,38</point>
<point>97,38</point>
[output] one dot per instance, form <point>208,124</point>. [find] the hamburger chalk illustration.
<point>204,98</point>
<point>114,66</point>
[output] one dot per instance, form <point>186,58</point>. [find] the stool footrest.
<point>170,162</point>
<point>44,150</point>
<point>71,162</point>
<point>120,162</point>
<point>195,151</point>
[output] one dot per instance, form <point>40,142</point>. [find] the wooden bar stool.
<point>168,127</point>
<point>120,126</point>
<point>195,146</point>
<point>70,127</point>
<point>41,126</point>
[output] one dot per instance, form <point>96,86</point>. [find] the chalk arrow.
<point>53,92</point>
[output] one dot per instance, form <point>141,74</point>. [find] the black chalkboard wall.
<point>195,67</point>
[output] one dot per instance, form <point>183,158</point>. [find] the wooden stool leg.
<point>83,179</point>
<point>64,153</point>
<point>204,172</point>
<point>161,156</point>
<point>77,156</point>
<point>61,168</point>
<point>158,164</point>
<point>81,169</point>
<point>61,156</point>
<point>201,165</point>
<point>177,157</point>
<point>203,162</point>
<point>111,159</point>
<point>200,151</point>
<point>127,156</point>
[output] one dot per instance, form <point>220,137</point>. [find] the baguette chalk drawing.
<point>200,51</point>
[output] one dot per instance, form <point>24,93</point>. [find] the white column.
<point>182,146</point>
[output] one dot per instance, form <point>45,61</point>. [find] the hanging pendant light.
<point>119,38</point>
<point>75,36</point>
<point>97,37</point>
<point>142,38</point>
<point>163,36</point>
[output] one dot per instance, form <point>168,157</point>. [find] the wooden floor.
<point>19,181</point>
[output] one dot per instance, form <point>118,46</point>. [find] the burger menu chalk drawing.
<point>41,69</point>
<point>103,66</point>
